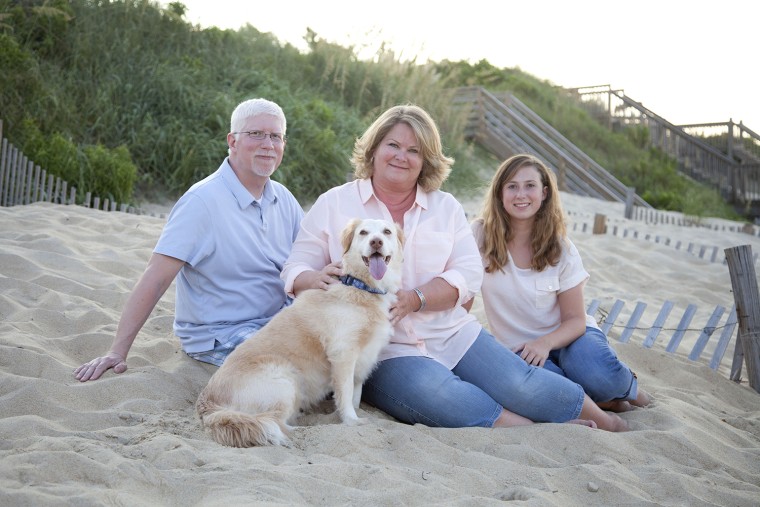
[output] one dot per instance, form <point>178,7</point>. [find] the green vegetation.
<point>126,96</point>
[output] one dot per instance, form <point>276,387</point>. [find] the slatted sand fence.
<point>664,281</point>
<point>672,231</point>
<point>24,182</point>
<point>675,332</point>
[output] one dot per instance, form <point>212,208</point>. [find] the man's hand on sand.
<point>92,370</point>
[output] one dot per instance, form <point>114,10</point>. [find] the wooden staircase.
<point>505,126</point>
<point>723,155</point>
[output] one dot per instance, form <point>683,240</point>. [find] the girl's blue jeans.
<point>592,363</point>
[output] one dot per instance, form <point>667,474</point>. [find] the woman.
<point>533,285</point>
<point>441,368</point>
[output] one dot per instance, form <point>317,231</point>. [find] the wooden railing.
<point>738,183</point>
<point>505,126</point>
<point>736,140</point>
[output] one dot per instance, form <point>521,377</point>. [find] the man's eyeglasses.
<point>260,135</point>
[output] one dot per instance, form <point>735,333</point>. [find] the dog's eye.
<point>363,232</point>
<point>387,232</point>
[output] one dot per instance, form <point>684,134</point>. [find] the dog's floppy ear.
<point>348,233</point>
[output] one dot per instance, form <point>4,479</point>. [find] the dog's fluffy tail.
<point>240,429</point>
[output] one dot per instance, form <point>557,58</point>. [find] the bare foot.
<point>583,422</point>
<point>604,420</point>
<point>614,422</point>
<point>642,400</point>
<point>615,405</point>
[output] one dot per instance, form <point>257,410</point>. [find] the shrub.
<point>110,172</point>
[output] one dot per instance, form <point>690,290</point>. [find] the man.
<point>227,238</point>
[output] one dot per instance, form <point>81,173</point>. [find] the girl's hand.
<point>535,352</point>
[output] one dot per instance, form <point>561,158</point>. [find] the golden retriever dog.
<point>326,341</point>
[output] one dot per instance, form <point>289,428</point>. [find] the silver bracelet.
<point>423,301</point>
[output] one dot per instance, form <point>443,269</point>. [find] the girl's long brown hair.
<point>549,229</point>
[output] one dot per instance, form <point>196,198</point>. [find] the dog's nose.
<point>376,243</point>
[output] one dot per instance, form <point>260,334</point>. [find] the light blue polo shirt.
<point>233,248</point>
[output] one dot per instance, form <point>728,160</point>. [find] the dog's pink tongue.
<point>377,267</point>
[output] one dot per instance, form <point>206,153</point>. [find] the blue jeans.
<point>421,390</point>
<point>591,362</point>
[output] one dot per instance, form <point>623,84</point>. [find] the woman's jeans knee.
<point>420,390</point>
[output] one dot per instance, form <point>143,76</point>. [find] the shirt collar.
<point>242,195</point>
<point>366,191</point>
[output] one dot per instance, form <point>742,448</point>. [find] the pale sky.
<point>689,61</point>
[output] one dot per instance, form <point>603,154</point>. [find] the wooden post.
<point>4,170</point>
<point>609,109</point>
<point>43,179</point>
<point>51,180</point>
<point>744,283</point>
<point>736,364</point>
<point>561,175</point>
<point>35,196</point>
<point>600,224</point>
<point>57,191</point>
<point>630,194</point>
<point>28,187</point>
<point>10,201</point>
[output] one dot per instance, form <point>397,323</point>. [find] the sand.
<point>134,438</point>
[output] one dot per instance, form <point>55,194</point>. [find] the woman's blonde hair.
<point>435,165</point>
<point>549,229</point>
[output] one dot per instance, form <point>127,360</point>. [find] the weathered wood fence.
<point>24,182</point>
<point>608,322</point>
<point>655,217</point>
<point>745,312</point>
<point>711,253</point>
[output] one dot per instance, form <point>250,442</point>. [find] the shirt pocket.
<point>546,291</point>
<point>432,252</point>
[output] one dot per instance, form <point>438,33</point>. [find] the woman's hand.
<point>328,275</point>
<point>321,279</point>
<point>406,303</point>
